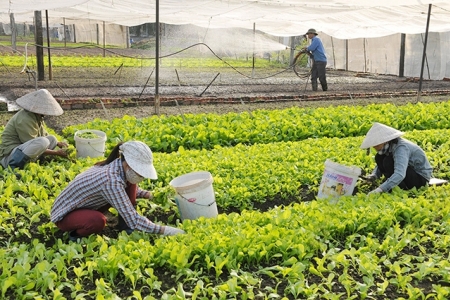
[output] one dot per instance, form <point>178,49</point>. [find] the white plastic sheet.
<point>340,19</point>
<point>372,28</point>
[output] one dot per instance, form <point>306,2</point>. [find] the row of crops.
<point>89,61</point>
<point>383,246</point>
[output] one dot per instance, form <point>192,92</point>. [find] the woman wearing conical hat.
<point>401,162</point>
<point>24,137</point>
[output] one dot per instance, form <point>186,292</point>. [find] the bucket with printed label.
<point>338,180</point>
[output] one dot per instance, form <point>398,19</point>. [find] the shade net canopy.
<point>340,19</point>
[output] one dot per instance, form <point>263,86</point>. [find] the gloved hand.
<point>375,191</point>
<point>369,178</point>
<point>172,231</point>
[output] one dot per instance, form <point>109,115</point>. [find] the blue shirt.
<point>317,49</point>
<point>405,153</point>
<point>97,187</point>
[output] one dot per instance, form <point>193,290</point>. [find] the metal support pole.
<point>104,39</point>
<point>254,41</point>
<point>65,33</point>
<point>424,53</point>
<point>365,58</point>
<point>157,100</point>
<point>292,50</point>
<point>39,43</point>
<point>334,55</point>
<point>13,31</point>
<point>201,94</point>
<point>50,75</point>
<point>401,70</point>
<point>97,31</point>
<point>346,55</point>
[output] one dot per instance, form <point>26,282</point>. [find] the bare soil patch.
<point>93,83</point>
<point>250,89</point>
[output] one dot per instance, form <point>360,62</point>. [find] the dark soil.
<point>92,83</point>
<point>249,88</point>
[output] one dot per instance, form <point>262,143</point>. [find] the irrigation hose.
<point>292,66</point>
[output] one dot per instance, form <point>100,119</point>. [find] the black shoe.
<point>73,236</point>
<point>128,231</point>
<point>122,225</point>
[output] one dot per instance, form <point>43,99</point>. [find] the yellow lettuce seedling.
<point>71,152</point>
<point>88,135</point>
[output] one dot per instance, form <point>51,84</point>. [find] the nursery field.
<point>273,238</point>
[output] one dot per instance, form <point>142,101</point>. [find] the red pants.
<point>88,221</point>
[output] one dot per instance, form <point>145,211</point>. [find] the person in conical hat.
<point>25,138</point>
<point>401,162</point>
<point>79,209</point>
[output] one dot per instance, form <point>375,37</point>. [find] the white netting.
<point>366,33</point>
<point>95,32</point>
<point>341,19</point>
<point>382,55</point>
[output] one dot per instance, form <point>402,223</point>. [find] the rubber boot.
<point>122,225</point>
<point>325,87</point>
<point>314,86</point>
<point>18,159</point>
<point>74,237</point>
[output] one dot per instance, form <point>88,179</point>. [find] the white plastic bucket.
<point>338,180</point>
<point>90,147</point>
<point>195,195</point>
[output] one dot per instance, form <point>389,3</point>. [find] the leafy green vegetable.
<point>392,244</point>
<point>88,135</point>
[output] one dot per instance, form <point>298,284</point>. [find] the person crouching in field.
<point>79,208</point>
<point>24,138</point>
<point>401,162</point>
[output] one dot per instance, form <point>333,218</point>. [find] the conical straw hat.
<point>379,134</point>
<point>40,102</point>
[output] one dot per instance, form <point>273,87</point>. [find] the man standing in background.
<point>319,60</point>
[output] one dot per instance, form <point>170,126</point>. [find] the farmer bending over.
<point>110,183</point>
<point>401,162</point>
<point>25,138</point>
